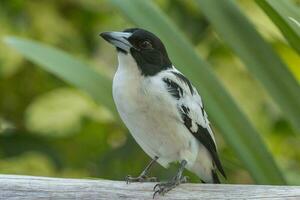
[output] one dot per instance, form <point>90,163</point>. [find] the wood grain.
<point>14,187</point>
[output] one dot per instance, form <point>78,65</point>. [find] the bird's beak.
<point>118,39</point>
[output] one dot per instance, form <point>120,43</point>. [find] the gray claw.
<point>130,179</point>
<point>163,188</point>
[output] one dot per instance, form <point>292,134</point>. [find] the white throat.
<point>127,63</point>
<point>127,75</point>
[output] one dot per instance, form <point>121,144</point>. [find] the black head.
<point>146,48</point>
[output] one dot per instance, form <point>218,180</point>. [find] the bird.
<point>162,110</point>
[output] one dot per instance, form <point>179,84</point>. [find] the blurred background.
<point>48,127</point>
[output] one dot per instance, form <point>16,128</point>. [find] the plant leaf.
<point>223,111</point>
<point>67,68</point>
<point>286,16</point>
<point>258,56</point>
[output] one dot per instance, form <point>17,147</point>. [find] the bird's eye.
<point>145,45</point>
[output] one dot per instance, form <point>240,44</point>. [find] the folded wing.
<point>192,112</point>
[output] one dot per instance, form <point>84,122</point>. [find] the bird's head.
<point>144,47</point>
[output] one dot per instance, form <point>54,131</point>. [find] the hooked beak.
<point>118,39</point>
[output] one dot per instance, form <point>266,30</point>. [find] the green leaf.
<point>223,111</point>
<point>67,68</point>
<point>258,56</point>
<point>286,16</point>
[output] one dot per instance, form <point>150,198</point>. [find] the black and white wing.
<point>192,111</point>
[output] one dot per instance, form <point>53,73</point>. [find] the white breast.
<point>149,115</point>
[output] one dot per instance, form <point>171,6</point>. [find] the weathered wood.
<point>31,188</point>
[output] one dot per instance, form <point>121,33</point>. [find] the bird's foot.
<point>163,188</point>
<point>141,178</point>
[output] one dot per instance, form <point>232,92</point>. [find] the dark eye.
<point>145,45</point>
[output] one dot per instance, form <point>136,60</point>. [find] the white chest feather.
<point>150,113</point>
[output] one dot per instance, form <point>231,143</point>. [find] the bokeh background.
<point>48,127</point>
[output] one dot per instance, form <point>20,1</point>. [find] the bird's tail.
<point>215,177</point>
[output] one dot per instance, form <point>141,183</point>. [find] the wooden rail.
<point>14,187</point>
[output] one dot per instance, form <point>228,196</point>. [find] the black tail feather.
<point>215,177</point>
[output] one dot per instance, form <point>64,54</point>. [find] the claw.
<point>157,185</point>
<point>185,179</point>
<point>127,179</point>
<point>152,179</point>
<point>163,188</point>
<point>154,194</point>
<point>143,178</point>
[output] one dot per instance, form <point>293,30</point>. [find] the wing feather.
<point>192,112</point>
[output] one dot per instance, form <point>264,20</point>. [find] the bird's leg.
<point>162,188</point>
<point>143,176</point>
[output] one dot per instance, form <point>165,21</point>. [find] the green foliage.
<point>51,129</point>
<point>66,67</point>
<point>257,55</point>
<point>287,18</point>
<point>60,112</point>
